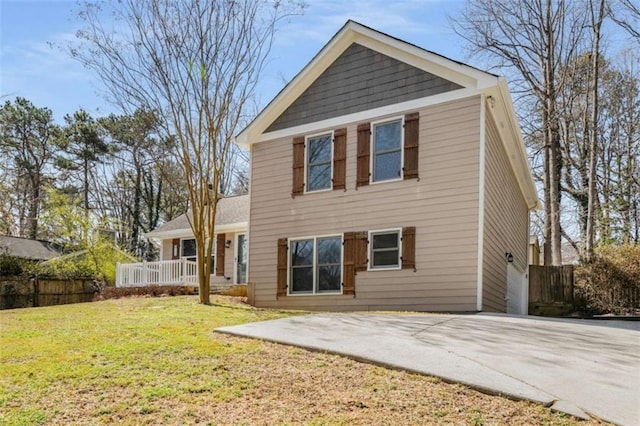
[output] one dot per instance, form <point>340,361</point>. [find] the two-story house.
<point>388,177</point>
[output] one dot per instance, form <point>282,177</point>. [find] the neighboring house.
<point>28,249</point>
<point>387,177</point>
<point>178,246</point>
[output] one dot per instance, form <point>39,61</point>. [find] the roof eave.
<point>187,232</point>
<point>519,161</point>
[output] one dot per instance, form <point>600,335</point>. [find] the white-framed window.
<point>386,158</point>
<point>315,265</point>
<point>385,249</point>
<point>188,251</point>
<point>318,162</point>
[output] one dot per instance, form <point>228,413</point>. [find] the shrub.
<point>151,290</point>
<point>10,266</point>
<point>98,262</point>
<point>610,282</point>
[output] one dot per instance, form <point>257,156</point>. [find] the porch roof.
<point>232,213</point>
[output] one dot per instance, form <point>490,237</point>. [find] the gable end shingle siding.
<point>359,80</point>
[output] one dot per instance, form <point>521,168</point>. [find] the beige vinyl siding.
<point>442,205</point>
<point>167,247</point>
<point>506,221</point>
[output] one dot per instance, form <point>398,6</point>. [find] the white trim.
<point>306,162</point>
<point>187,232</point>
<point>186,239</point>
<point>370,266</point>
<point>481,182</point>
<point>315,263</point>
<point>514,146</point>
<point>235,256</point>
<point>337,122</point>
<point>373,153</point>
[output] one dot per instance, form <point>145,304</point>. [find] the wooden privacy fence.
<point>25,293</point>
<point>550,289</point>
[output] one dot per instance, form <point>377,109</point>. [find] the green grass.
<point>157,361</point>
<point>144,349</point>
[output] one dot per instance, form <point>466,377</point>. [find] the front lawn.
<point>157,361</point>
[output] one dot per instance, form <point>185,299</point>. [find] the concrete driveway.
<point>580,367</point>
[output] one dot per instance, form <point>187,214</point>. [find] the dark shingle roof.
<point>25,248</point>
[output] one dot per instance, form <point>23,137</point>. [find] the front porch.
<point>163,272</point>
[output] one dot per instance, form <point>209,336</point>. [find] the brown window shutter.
<point>364,148</point>
<point>339,158</point>
<point>282,267</point>
<point>348,263</point>
<point>409,247</point>
<point>362,251</point>
<point>175,248</point>
<point>298,166</point>
<point>411,136</point>
<point>220,242</point>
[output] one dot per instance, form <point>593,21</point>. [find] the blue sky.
<point>31,68</point>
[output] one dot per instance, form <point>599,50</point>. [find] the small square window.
<point>384,249</point>
<point>319,162</point>
<point>387,151</point>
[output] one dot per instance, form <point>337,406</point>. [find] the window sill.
<point>315,294</point>
<point>385,268</point>
<point>378,182</point>
<point>315,191</point>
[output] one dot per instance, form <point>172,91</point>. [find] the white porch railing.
<point>164,272</point>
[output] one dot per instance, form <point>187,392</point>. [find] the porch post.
<point>184,271</point>
<point>144,272</point>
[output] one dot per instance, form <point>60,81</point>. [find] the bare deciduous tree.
<point>534,39</point>
<point>195,64</point>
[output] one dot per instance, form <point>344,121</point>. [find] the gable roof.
<point>354,32</point>
<point>471,80</point>
<point>25,248</point>
<point>232,214</point>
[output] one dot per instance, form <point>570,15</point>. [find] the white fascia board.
<point>368,115</point>
<point>461,74</point>
<point>511,136</point>
<point>184,233</point>
<point>176,233</point>
<point>329,53</point>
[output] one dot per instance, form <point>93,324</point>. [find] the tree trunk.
<point>34,207</point>
<point>593,134</point>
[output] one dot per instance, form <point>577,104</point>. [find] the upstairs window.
<point>319,162</point>
<point>387,151</point>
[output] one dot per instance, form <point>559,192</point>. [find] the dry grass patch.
<point>156,361</point>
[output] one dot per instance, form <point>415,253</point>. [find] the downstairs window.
<point>315,265</point>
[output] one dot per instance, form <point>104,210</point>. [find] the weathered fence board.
<point>23,293</point>
<point>550,289</point>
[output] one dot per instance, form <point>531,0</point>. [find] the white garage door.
<point>517,291</point>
